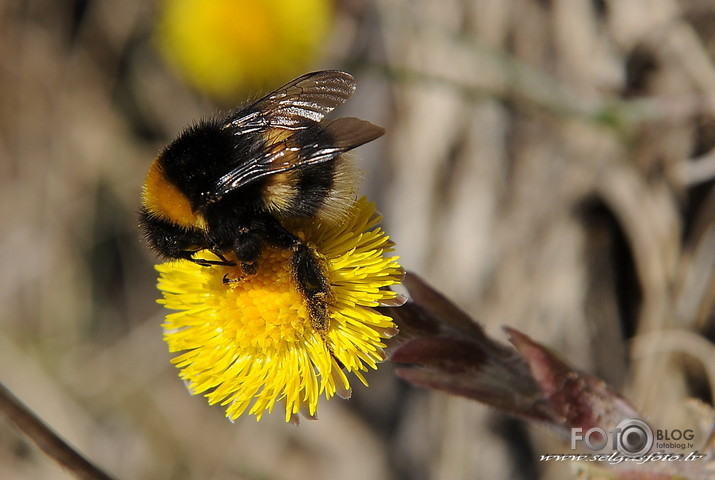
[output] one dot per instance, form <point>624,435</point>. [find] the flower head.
<point>227,47</point>
<point>247,340</point>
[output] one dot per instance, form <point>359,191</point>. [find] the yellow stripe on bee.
<point>164,200</point>
<point>280,191</point>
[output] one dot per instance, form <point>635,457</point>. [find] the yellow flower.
<point>227,47</point>
<point>248,343</point>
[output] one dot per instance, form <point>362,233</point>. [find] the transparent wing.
<point>290,122</point>
<point>308,97</point>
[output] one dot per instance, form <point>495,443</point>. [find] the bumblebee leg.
<point>308,273</point>
<point>248,246</point>
<point>228,263</point>
<point>230,280</point>
<point>312,284</point>
<point>207,263</point>
<point>315,289</point>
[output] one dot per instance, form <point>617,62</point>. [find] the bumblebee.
<point>231,184</point>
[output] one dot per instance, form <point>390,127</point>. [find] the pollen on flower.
<point>264,309</point>
<point>246,340</point>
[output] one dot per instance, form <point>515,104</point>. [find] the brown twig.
<point>52,444</point>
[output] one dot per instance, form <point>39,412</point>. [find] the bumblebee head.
<point>168,239</point>
<point>171,224</point>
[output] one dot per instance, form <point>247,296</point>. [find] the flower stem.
<point>23,418</point>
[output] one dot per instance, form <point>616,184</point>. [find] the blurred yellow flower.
<point>248,344</point>
<point>226,47</point>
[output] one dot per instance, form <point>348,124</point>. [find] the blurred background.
<point>548,165</point>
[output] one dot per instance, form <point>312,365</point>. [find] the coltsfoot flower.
<point>246,340</point>
<point>227,47</point>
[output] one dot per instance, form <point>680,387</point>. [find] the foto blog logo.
<point>632,437</point>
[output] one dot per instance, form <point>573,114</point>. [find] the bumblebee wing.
<point>318,143</point>
<point>290,121</point>
<point>308,97</point>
